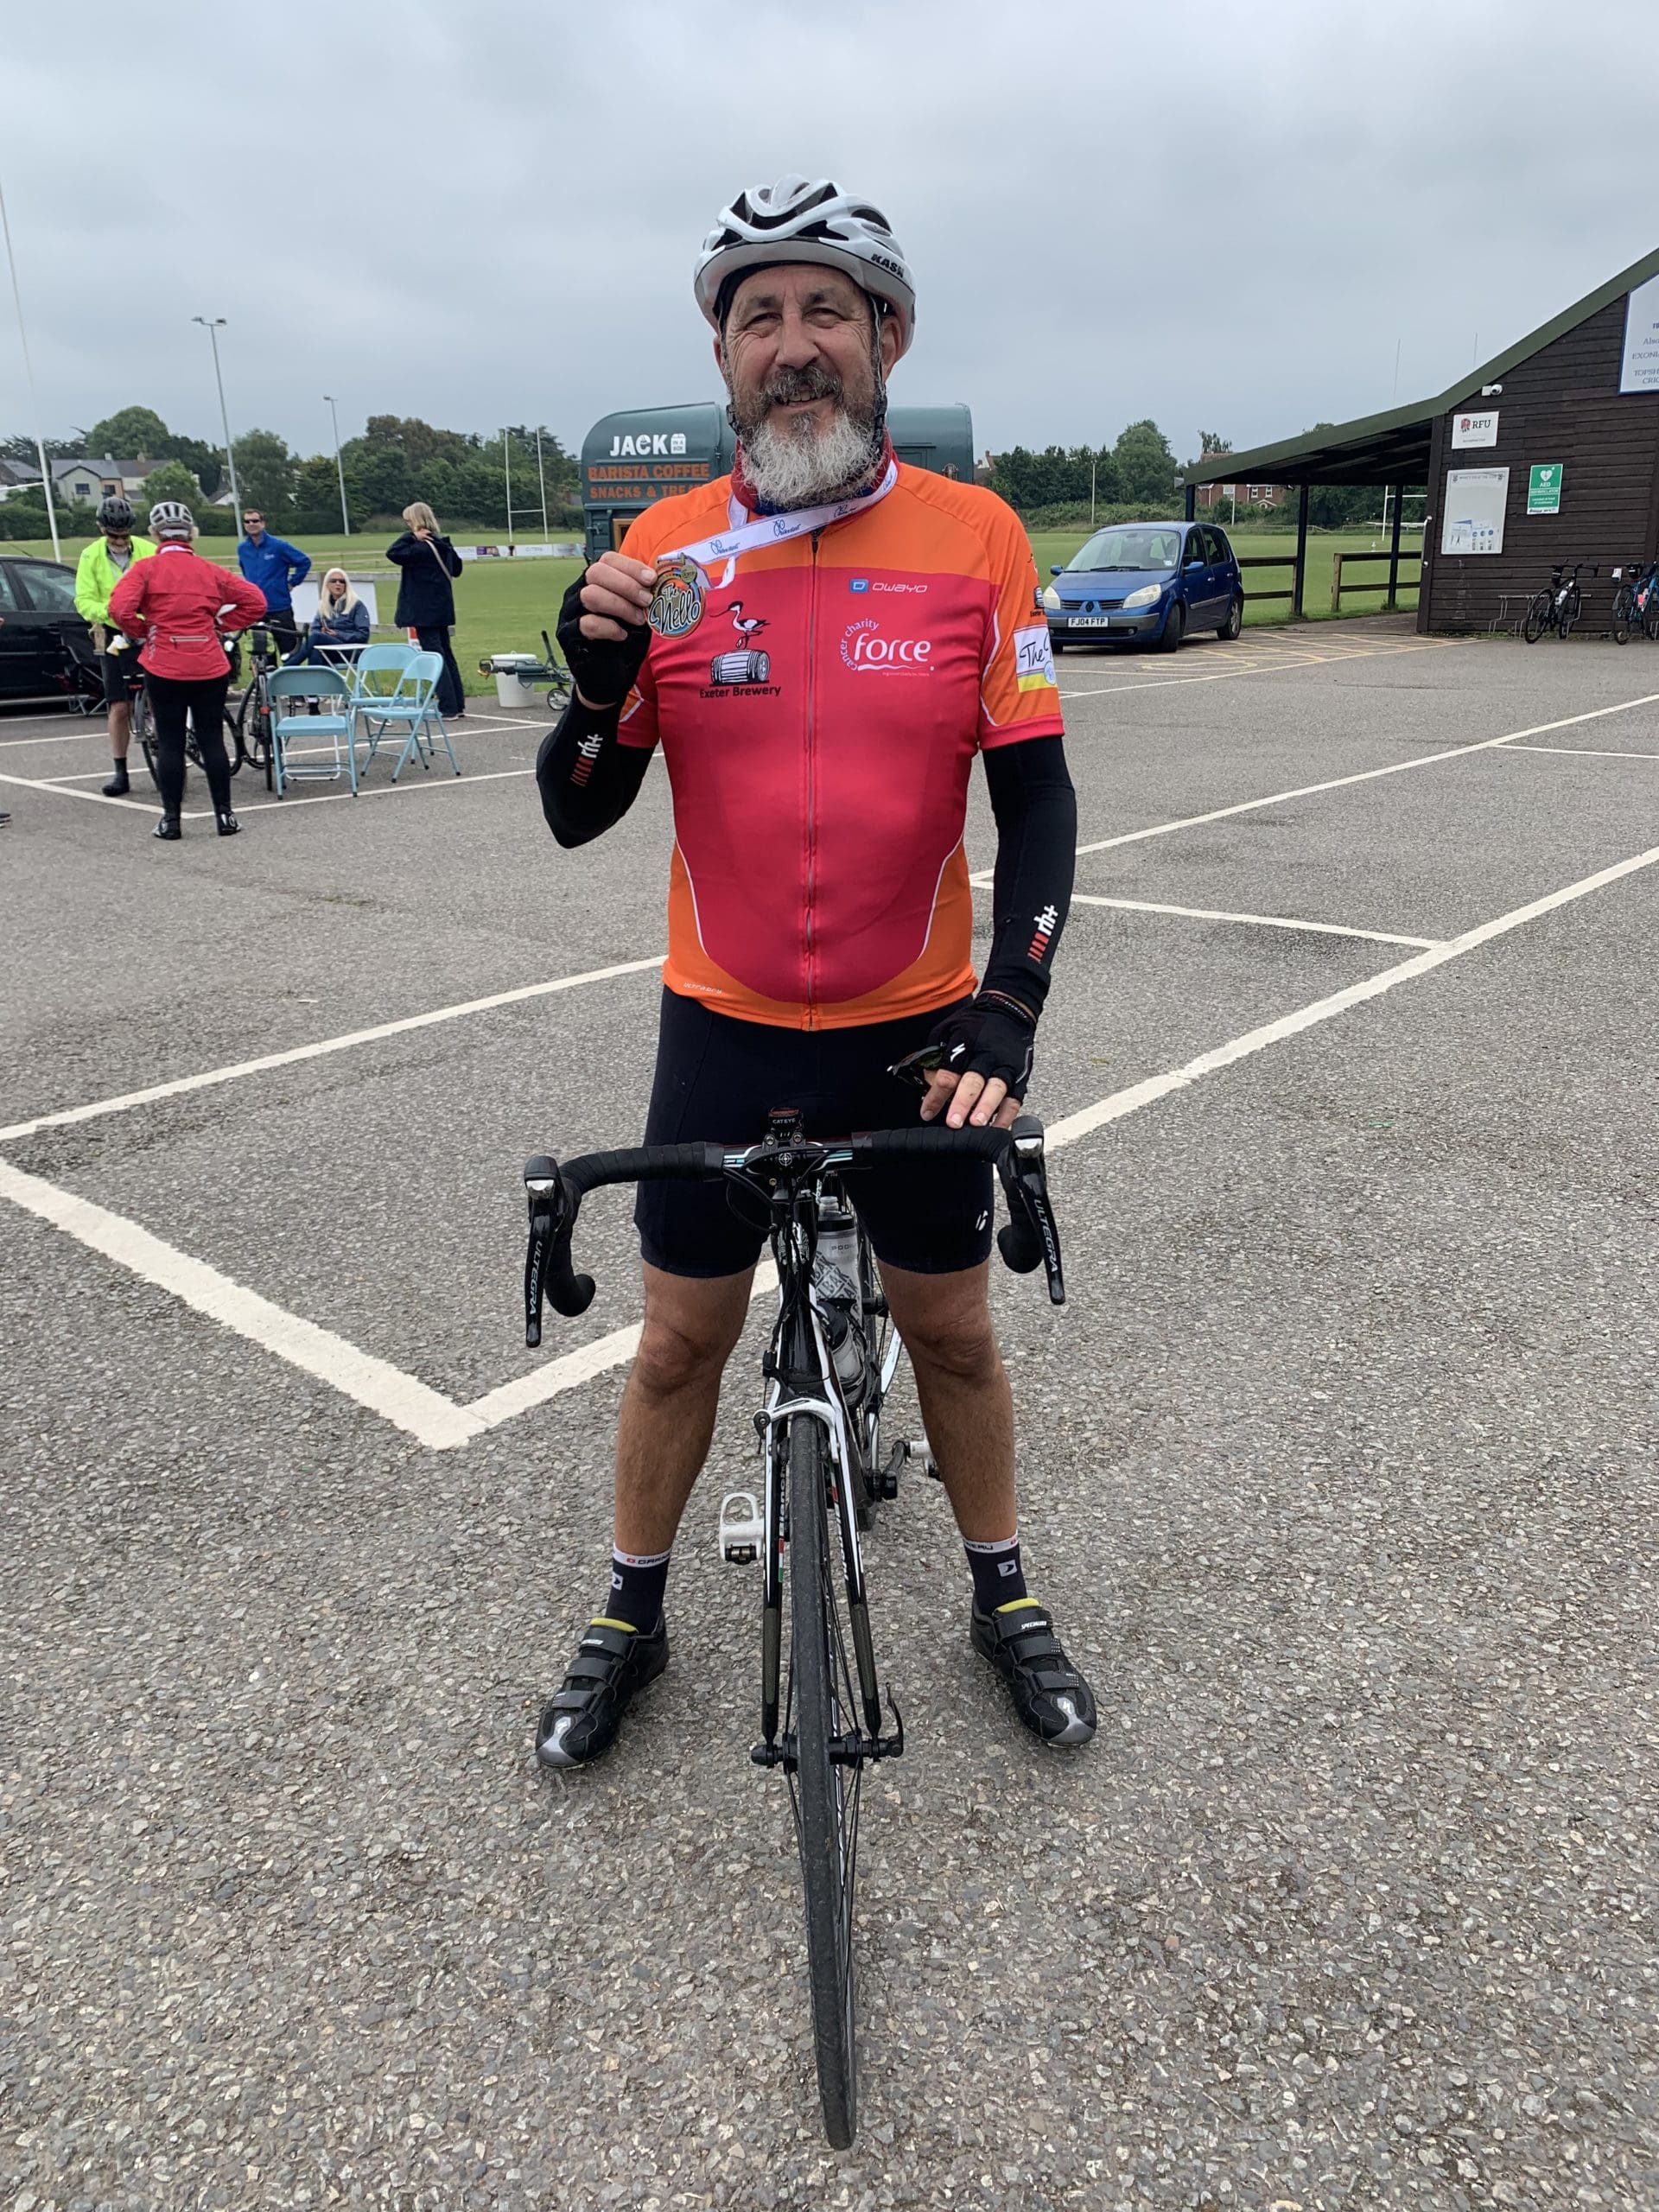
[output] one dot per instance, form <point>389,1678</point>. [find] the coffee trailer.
<point>630,459</point>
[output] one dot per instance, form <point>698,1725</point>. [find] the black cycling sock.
<point>998,1576</point>
<point>637,1581</point>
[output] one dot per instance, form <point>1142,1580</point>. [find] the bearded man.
<point>822,643</point>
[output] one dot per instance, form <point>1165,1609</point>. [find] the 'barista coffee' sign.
<point>1473,429</point>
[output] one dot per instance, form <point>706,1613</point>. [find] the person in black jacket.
<point>426,598</point>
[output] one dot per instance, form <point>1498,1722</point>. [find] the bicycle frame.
<point>804,1384</point>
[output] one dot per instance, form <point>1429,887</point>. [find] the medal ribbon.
<point>777,530</point>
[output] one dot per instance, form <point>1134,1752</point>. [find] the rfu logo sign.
<point>641,444</point>
<point>868,651</point>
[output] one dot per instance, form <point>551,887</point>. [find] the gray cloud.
<point>1226,218</point>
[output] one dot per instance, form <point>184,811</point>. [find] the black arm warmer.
<point>588,778</point>
<point>1036,811</point>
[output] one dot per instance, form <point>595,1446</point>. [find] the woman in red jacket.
<point>176,604</point>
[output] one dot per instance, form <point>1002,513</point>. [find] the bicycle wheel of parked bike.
<point>1623,614</point>
<point>1572,607</point>
<point>1541,616</point>
<point>144,732</point>
<point>253,732</point>
<point>824,1790</point>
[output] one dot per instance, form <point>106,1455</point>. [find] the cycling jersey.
<point>819,715</point>
<point>176,604</point>
<point>97,576</point>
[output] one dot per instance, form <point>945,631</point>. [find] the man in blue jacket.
<point>275,566</point>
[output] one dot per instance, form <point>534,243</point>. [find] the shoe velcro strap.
<point>593,1667</point>
<point>573,1701</point>
<point>607,1635</point>
<point>1055,1678</point>
<point>1038,1641</point>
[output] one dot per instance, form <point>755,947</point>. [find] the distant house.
<point>89,482</point>
<point>17,476</point>
<point>1247,495</point>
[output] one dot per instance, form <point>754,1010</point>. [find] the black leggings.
<point>452,694</point>
<point>171,698</point>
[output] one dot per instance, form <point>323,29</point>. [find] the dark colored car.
<point>1148,583</point>
<point>46,647</point>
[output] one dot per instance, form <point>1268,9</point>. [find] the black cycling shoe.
<point>168,827</point>
<point>228,824</point>
<point>612,1661</point>
<point>119,784</point>
<point>1049,1694</point>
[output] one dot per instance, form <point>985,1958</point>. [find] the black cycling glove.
<point>993,1036</point>
<point>604,668</point>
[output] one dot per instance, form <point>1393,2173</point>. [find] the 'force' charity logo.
<point>868,652</point>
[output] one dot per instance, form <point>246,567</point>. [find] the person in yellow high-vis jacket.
<point>99,570</point>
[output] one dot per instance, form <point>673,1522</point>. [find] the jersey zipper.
<point>808,978</point>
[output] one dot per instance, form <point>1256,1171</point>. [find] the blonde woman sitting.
<point>341,620</point>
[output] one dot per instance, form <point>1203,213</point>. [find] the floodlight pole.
<point>345,518</point>
<point>542,474</point>
<point>28,372</point>
<point>1093,463</point>
<point>507,464</point>
<point>213,325</point>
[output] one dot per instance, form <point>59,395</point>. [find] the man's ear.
<point>888,340</point>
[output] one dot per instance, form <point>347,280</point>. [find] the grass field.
<point>503,605</point>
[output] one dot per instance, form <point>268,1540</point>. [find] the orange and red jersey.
<point>819,721</point>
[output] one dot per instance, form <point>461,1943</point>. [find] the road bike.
<point>1635,600</point>
<point>143,731</point>
<point>251,717</point>
<point>1560,607</point>
<point>827,1372</point>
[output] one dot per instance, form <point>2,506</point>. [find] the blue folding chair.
<point>413,706</point>
<point>374,674</point>
<point>290,731</point>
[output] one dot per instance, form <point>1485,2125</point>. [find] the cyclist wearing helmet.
<point>822,644</point>
<point>177,605</point>
<point>99,570</point>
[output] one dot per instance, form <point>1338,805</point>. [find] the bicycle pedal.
<point>885,1484</point>
<point>921,1452</point>
<point>742,1530</point>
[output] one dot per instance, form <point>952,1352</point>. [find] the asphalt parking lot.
<point>1339,1469</point>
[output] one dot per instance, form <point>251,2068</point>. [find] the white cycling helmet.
<point>171,518</point>
<point>802,219</point>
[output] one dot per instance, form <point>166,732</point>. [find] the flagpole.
<point>28,374</point>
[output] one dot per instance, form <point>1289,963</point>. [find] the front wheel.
<point>144,730</point>
<point>1234,622</point>
<point>1623,614</point>
<point>1174,629</point>
<point>826,1789</point>
<point>1572,607</point>
<point>1541,613</point>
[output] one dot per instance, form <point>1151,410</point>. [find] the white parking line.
<point>1261,921</point>
<point>210,1077</point>
<point>1584,753</point>
<point>437,1420</point>
<point>1275,664</point>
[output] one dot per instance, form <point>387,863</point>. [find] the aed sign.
<point>1544,488</point>
<point>1473,429</point>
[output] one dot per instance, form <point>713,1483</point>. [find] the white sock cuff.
<point>986,1551</point>
<point>639,1559</point>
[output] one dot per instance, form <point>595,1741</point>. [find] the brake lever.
<point>1025,1179</point>
<point>545,1188</point>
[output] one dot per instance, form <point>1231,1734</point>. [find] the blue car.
<point>1146,583</point>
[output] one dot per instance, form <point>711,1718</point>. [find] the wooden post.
<point>1192,501</point>
<point>1394,551</point>
<point>1300,574</point>
<point>1336,583</point>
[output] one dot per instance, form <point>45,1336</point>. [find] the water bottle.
<point>834,1278</point>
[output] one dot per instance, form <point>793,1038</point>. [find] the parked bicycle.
<point>1560,607</point>
<point>252,712</point>
<point>1635,600</point>
<point>828,1370</point>
<point>145,733</point>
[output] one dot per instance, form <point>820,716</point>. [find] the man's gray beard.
<point>796,465</point>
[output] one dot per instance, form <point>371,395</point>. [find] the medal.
<point>677,597</point>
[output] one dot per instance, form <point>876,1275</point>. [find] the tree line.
<point>399,459</point>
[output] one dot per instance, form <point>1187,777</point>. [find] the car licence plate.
<point>1091,621</point>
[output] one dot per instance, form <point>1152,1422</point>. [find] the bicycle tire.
<point>1572,607</point>
<point>1650,620</point>
<point>144,732</point>
<point>1622,614</point>
<point>826,1800</point>
<point>1540,615</point>
<point>252,736</point>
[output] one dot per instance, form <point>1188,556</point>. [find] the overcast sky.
<point>1225,216</point>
